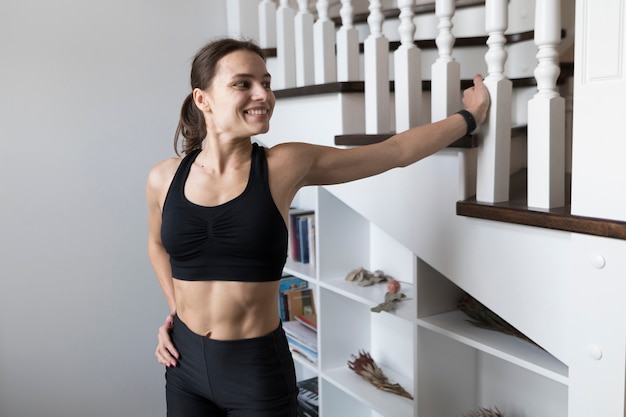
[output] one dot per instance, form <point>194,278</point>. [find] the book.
<point>301,349</point>
<point>294,239</point>
<point>303,239</point>
<point>308,320</point>
<point>288,283</point>
<point>301,334</point>
<point>299,303</point>
<point>311,236</point>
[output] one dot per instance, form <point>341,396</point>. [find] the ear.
<point>201,100</point>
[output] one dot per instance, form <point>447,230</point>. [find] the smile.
<point>257,112</point>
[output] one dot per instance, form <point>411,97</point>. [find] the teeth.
<point>257,111</point>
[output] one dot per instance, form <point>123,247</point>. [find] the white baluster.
<point>324,43</point>
<point>493,165</point>
<point>376,73</point>
<point>267,24</point>
<point>347,45</point>
<point>408,72</point>
<point>285,46</point>
<point>305,74</point>
<point>243,18</point>
<point>567,92</point>
<point>546,114</point>
<point>446,72</point>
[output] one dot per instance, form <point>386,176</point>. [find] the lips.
<point>257,111</point>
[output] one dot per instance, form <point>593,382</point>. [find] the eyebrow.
<point>266,75</point>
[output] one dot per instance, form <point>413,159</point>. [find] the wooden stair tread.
<point>468,141</point>
<point>517,211</point>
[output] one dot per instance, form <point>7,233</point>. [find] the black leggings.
<point>239,378</point>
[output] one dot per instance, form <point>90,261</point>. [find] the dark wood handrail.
<point>567,70</point>
<point>510,38</point>
<point>467,141</point>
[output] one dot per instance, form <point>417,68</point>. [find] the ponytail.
<point>191,126</point>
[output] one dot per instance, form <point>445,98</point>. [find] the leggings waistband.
<point>185,331</point>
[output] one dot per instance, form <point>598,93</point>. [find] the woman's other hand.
<point>165,352</point>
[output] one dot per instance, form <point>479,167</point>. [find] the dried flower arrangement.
<point>365,278</point>
<point>484,318</point>
<point>484,412</point>
<point>390,303</point>
<point>365,366</point>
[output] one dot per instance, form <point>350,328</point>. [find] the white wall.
<point>89,99</point>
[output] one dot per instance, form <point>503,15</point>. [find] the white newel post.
<point>446,71</point>
<point>376,73</point>
<point>408,72</point>
<point>347,45</point>
<point>305,72</point>
<point>598,145</point>
<point>493,164</point>
<point>324,44</point>
<point>243,18</point>
<point>285,46</point>
<point>267,24</point>
<point>546,114</point>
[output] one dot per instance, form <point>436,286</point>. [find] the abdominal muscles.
<point>228,310</point>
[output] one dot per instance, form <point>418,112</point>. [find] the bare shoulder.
<point>164,170</point>
<point>160,177</point>
<point>288,164</point>
<point>291,154</point>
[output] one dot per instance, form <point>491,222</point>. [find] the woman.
<point>218,235</point>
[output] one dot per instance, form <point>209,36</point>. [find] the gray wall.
<point>89,98</point>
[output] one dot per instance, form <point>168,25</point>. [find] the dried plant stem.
<point>365,366</point>
<point>484,412</point>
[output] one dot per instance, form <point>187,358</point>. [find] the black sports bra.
<point>244,239</point>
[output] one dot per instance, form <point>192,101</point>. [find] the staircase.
<point>491,212</point>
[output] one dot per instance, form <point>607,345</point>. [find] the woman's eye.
<point>242,84</point>
<point>267,85</point>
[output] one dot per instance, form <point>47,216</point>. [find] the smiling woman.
<point>218,237</point>
<point>192,125</point>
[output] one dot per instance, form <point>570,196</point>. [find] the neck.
<point>220,157</point>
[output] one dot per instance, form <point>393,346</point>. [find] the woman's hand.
<point>165,352</point>
<point>476,99</point>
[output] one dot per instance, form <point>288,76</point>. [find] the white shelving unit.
<point>447,364</point>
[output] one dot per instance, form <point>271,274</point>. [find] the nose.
<point>260,93</point>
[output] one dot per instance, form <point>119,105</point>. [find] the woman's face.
<point>239,102</point>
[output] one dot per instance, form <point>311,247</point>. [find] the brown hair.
<point>191,124</point>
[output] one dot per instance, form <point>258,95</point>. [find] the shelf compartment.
<point>336,403</point>
<point>373,295</point>
<point>300,270</point>
<point>343,329</point>
<point>385,403</point>
<point>304,368</point>
<point>454,378</point>
<point>454,325</point>
<point>343,237</point>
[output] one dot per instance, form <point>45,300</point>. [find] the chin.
<point>263,129</point>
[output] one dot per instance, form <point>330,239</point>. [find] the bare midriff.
<point>228,310</point>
